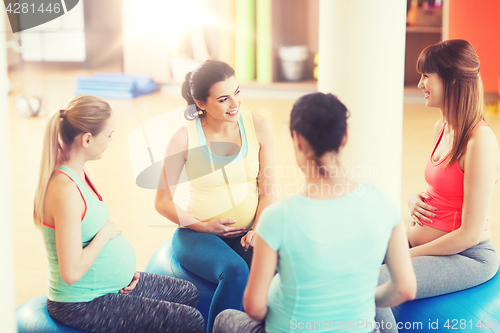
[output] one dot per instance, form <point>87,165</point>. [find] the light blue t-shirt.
<point>330,252</point>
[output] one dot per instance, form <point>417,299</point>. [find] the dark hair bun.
<point>186,89</point>
<point>321,119</point>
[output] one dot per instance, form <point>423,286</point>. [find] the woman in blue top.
<point>327,243</point>
<point>92,283</point>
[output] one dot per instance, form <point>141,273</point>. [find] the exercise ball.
<point>475,309</point>
<point>33,317</point>
<point>163,262</point>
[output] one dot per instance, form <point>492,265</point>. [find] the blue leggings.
<point>221,261</point>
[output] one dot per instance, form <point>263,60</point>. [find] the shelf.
<point>429,30</point>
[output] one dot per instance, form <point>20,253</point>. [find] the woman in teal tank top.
<point>227,157</point>
<point>327,243</point>
<point>92,282</point>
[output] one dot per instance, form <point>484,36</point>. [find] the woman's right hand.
<point>419,210</point>
<point>223,229</point>
<point>109,230</point>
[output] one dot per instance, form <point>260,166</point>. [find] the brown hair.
<point>197,84</point>
<point>457,64</point>
<point>83,114</point>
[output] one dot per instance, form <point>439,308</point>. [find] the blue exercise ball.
<point>33,317</point>
<point>472,310</point>
<point>164,262</point>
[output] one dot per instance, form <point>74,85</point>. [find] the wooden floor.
<point>132,208</point>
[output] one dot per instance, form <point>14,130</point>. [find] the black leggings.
<point>157,304</point>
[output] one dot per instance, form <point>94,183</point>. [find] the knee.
<point>493,269</point>
<point>236,272</point>
<point>222,323</point>
<point>194,322</point>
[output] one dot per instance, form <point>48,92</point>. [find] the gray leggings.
<point>438,275</point>
<point>157,304</point>
<point>234,321</point>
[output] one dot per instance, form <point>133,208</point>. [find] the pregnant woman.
<point>92,283</point>
<point>227,157</point>
<point>450,234</point>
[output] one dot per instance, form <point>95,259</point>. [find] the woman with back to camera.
<point>227,155</point>
<point>450,234</point>
<point>327,242</point>
<point>92,283</point>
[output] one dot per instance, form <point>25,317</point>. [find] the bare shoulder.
<point>61,187</point>
<point>180,134</point>
<point>178,141</point>
<point>483,136</point>
<point>482,150</point>
<point>483,147</point>
<point>439,124</point>
<point>62,198</point>
<point>262,126</point>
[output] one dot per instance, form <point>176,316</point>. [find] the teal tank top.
<point>113,268</point>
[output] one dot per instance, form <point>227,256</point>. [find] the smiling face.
<point>224,101</point>
<point>432,87</point>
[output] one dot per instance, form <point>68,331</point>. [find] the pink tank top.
<point>446,190</point>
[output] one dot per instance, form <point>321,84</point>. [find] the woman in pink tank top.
<point>450,236</point>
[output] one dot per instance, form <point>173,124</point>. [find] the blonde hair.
<point>457,64</point>
<point>83,114</point>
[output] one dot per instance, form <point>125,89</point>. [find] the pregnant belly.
<point>418,235</point>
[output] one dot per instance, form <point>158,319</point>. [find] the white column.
<point>361,61</point>
<point>7,321</point>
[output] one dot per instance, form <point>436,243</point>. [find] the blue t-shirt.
<point>330,252</point>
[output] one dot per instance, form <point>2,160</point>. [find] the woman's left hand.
<point>128,289</point>
<point>248,240</point>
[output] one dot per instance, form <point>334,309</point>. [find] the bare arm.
<point>175,157</point>
<point>265,178</point>
<point>262,270</point>
<point>480,167</point>
<point>403,285</point>
<point>64,206</point>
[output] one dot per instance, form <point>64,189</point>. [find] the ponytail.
<point>83,114</point>
<point>192,110</point>
<point>186,89</point>
<point>51,160</point>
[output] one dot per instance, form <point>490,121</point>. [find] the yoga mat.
<point>264,50</point>
<point>245,44</point>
